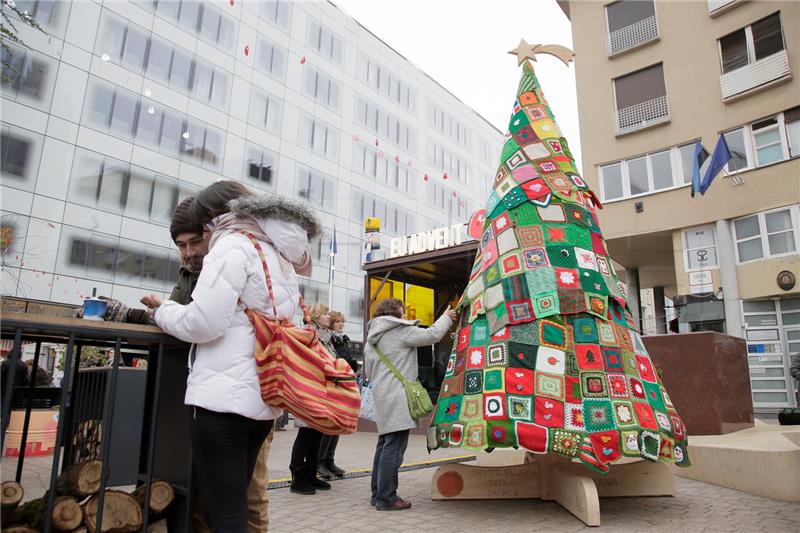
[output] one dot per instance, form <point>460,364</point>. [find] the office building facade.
<point>120,109</point>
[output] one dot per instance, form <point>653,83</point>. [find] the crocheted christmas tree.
<point>548,357</point>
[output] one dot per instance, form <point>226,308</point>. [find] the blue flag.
<point>719,159</point>
<point>700,156</point>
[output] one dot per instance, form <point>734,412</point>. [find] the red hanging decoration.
<point>231,3</point>
<point>246,50</point>
<point>303,60</point>
<point>376,142</point>
<point>397,159</point>
<point>425,177</point>
<point>454,194</point>
<point>444,176</point>
<point>355,138</point>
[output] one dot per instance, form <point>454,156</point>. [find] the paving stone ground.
<point>696,507</point>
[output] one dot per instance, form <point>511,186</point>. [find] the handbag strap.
<point>389,364</point>
<point>260,251</point>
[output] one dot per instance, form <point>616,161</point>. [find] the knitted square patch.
<point>451,366</point>
<point>666,453</point>
<point>452,387</point>
<point>506,242</point>
<point>597,304</point>
<point>535,258</point>
<point>623,413</point>
<point>681,457</point>
<point>519,311</point>
<point>629,443</point>
<point>525,135</point>
<point>555,234</point>
<point>475,357</point>
<point>515,197</point>
<point>567,278</point>
<point>612,359</point>
<point>585,330</point>
<point>549,413</point>
<point>602,265</point>
<point>588,357</point>
<point>448,409</point>
<point>475,435</point>
<point>593,282</point>
<point>501,433</point>
<point>519,381</point>
<point>524,174</point>
<point>605,333</point>
<point>530,237</point>
<point>650,445</point>
<point>606,446</point>
<point>479,332</point>
<point>549,385</point>
<point>494,406</point>
<point>552,334</point>
<point>443,435</point>
<point>593,385</point>
<point>571,301</point>
<point>525,333</point>
<point>511,264</point>
<point>473,382</point>
<point>496,355</point>
<point>597,414</point>
<point>520,407</point>
<point>677,426</point>
<point>546,304</point>
<point>617,385</point>
<point>456,434</point>
<point>623,337</point>
<point>493,296</point>
<point>535,188</point>
<point>645,415</point>
<point>636,388</point>
<point>653,394</point>
<point>536,150</point>
<point>501,223</point>
<point>561,255</point>
<point>645,367</point>
<point>532,437</point>
<point>522,355</point>
<point>565,442</point>
<point>550,360</point>
<point>472,407</point>
<point>573,417</point>
<point>663,421</point>
<point>552,213</point>
<point>493,380</point>
<point>491,276</point>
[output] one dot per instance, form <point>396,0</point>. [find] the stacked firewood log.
<point>76,505</point>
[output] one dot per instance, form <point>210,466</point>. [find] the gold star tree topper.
<point>525,51</point>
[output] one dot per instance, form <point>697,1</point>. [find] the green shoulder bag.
<point>419,403</point>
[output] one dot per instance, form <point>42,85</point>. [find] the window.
<point>767,234</point>
<point>630,23</point>
<point>271,59</point>
<point>386,125</point>
<point>448,125</point>
<point>266,110</point>
<point>202,143</point>
<point>20,152</point>
<point>217,28</point>
<point>48,13</point>
<point>767,141</point>
<point>757,41</point>
<point>210,85</point>
<point>637,174</point>
<point>261,166</point>
<point>641,99</point>
<point>324,41</point>
<point>738,148</point>
<point>321,87</point>
<point>319,137</point>
<point>373,74</point>
<point>612,181</point>
<point>321,249</point>
<point>686,156</point>
<point>277,12</point>
<point>791,119</point>
<point>315,188</point>
<point>701,248</point>
<point>26,75</point>
<point>313,291</point>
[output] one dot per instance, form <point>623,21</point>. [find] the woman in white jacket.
<point>230,421</point>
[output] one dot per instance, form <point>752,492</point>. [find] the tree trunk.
<point>81,479</point>
<point>158,527</point>
<point>67,514</point>
<point>161,495</point>
<point>12,494</point>
<point>121,513</point>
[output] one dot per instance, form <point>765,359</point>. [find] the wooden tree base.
<point>574,486</point>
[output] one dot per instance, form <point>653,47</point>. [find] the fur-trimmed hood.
<point>267,206</point>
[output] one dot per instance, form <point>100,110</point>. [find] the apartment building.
<point>653,79</point>
<point>121,109</point>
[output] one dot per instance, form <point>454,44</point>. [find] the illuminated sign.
<point>427,241</point>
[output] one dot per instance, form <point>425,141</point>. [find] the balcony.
<point>763,72</point>
<point>632,36</point>
<point>641,116</point>
<point>716,7</point>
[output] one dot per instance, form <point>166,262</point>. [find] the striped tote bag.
<point>298,374</point>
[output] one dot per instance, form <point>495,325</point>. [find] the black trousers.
<point>225,447</point>
<point>327,449</point>
<point>304,454</point>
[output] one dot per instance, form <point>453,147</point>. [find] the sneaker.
<point>319,484</point>
<point>335,470</point>
<point>306,490</point>
<point>399,505</point>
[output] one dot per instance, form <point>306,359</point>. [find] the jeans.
<point>305,451</point>
<point>225,447</point>
<point>386,465</point>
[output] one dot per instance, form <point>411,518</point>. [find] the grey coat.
<point>399,340</point>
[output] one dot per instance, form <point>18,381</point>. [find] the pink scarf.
<point>228,223</point>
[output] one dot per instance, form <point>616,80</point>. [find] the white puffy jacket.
<point>223,376</point>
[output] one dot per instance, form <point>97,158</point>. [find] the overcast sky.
<point>462,44</point>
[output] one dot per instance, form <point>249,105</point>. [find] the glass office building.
<point>123,108</point>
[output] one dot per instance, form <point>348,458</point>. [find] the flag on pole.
<point>719,159</point>
<point>332,267</point>
<point>700,156</point>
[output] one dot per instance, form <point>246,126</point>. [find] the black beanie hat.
<point>183,221</point>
